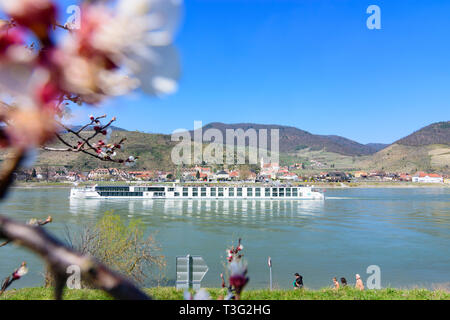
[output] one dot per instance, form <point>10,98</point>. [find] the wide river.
<point>406,232</point>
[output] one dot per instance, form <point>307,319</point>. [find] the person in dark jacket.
<point>298,282</point>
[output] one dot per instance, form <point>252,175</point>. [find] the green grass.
<point>169,293</point>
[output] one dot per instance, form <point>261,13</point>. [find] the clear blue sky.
<point>309,64</point>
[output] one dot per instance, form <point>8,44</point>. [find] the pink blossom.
<point>20,272</point>
<point>37,15</point>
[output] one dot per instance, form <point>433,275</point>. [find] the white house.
<point>423,177</point>
<point>289,176</point>
<point>222,175</point>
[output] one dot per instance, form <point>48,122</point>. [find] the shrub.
<point>120,246</point>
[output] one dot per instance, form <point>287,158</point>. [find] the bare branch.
<point>85,144</point>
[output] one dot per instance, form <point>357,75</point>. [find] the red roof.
<point>234,174</point>
<point>431,175</point>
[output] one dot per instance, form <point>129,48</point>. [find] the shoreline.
<point>384,185</point>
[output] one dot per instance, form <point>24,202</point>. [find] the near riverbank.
<point>170,293</point>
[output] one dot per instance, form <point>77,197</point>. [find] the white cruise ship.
<point>196,192</point>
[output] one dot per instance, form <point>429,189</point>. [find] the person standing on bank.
<point>298,282</point>
<point>359,284</point>
<point>336,283</point>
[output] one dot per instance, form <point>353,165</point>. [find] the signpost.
<point>269,262</point>
<point>190,271</point>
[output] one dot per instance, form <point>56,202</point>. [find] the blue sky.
<point>309,64</point>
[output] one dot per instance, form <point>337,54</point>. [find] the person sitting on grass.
<point>344,282</point>
<point>298,282</point>
<point>336,283</point>
<point>359,284</point>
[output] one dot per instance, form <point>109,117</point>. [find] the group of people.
<point>298,282</point>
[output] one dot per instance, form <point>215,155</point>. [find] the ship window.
<point>249,192</point>
<point>108,188</point>
<point>220,192</point>
<point>281,191</point>
<point>294,192</point>
<point>195,192</point>
<point>231,192</point>
<point>176,194</point>
<point>288,192</point>
<point>171,189</point>
<point>158,189</point>
<point>203,191</point>
<point>257,192</point>
<point>213,192</point>
<point>239,192</point>
<point>267,192</point>
<point>274,192</point>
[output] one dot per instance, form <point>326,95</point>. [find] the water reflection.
<point>200,208</point>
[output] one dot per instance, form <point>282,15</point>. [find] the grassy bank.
<point>165,293</point>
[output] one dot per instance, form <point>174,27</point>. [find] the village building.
<point>422,177</point>
<point>361,174</point>
<point>141,175</point>
<point>290,176</point>
<point>222,176</point>
<point>270,170</point>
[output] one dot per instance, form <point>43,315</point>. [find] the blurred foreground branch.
<point>32,222</point>
<point>59,258</point>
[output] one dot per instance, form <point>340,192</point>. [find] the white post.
<point>270,272</point>
<point>189,270</point>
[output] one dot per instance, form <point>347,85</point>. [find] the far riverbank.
<point>336,185</point>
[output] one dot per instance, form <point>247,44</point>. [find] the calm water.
<point>404,231</point>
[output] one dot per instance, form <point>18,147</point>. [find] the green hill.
<point>403,158</point>
<point>436,133</point>
<point>427,149</point>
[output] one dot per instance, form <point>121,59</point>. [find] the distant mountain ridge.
<point>293,139</point>
<point>427,149</point>
<point>377,146</point>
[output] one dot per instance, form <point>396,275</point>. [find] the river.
<point>406,232</point>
